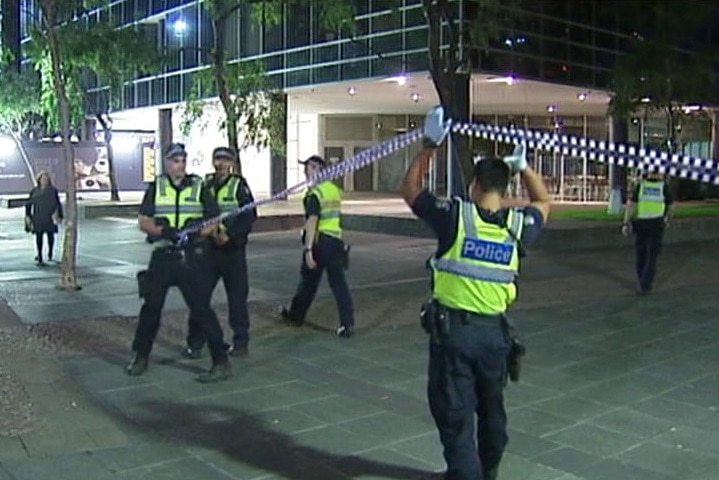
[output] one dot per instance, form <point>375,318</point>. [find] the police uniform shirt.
<point>210,208</point>
<point>311,205</point>
<point>668,200</point>
<point>238,226</point>
<point>442,215</point>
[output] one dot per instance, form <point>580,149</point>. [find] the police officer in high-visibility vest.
<point>323,249</point>
<point>173,202</point>
<point>649,210</point>
<point>227,252</point>
<point>473,285</point>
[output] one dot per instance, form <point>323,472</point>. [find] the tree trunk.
<point>218,70</point>
<point>68,275</point>
<point>107,130</point>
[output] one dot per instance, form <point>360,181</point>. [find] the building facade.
<point>551,70</point>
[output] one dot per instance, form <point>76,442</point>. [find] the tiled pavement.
<point>615,386</point>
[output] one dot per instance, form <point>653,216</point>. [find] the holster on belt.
<point>434,319</point>
<point>346,257</point>
<point>516,350</point>
<point>143,283</point>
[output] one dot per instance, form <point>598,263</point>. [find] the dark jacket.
<point>41,206</point>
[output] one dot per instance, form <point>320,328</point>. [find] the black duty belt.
<point>466,317</point>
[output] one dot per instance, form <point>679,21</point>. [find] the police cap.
<point>224,152</point>
<point>314,159</point>
<point>176,150</point>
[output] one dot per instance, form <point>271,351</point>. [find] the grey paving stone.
<point>383,463</point>
<point>58,467</point>
<point>594,440</point>
<point>567,459</point>
<point>528,446</point>
<point>537,422</point>
<point>426,448</point>
<point>672,461</point>
<point>633,422</point>
<point>626,389</point>
<point>137,456</point>
<point>183,469</point>
<point>381,375</point>
<point>690,438</point>
<point>337,408</point>
<point>386,427</point>
<point>513,466</point>
<point>677,412</point>
<point>611,469</point>
<point>573,407</point>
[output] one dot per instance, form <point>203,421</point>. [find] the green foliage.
<point>48,95</point>
<point>19,99</point>
<point>249,104</point>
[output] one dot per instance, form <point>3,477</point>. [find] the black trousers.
<point>648,236</point>
<point>39,243</point>
<point>329,255</point>
<point>231,267</point>
<point>190,272</point>
<point>465,392</point>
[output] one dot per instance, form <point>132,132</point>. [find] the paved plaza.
<point>615,386</point>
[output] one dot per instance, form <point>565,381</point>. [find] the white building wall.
<point>303,140</point>
<point>201,140</point>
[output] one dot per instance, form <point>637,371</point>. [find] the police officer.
<point>649,210</point>
<point>323,249</point>
<point>175,201</point>
<point>473,275</point>
<point>227,254</point>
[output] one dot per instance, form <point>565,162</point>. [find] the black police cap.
<point>175,150</point>
<point>316,159</point>
<point>224,152</point>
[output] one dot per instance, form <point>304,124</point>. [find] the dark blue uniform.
<point>648,236</point>
<point>467,369</point>
<point>188,269</point>
<point>229,262</point>
<point>329,254</point>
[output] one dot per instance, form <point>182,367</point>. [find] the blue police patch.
<point>484,251</point>
<point>652,191</point>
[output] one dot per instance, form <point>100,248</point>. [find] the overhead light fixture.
<point>552,108</point>
<point>691,108</point>
<point>415,97</point>
<point>582,96</point>
<point>400,79</point>
<point>508,80</point>
<point>646,100</point>
<point>351,90</point>
<point>179,26</point>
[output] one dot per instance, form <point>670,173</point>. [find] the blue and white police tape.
<point>684,166</point>
<point>356,162</point>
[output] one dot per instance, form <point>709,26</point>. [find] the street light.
<point>180,27</point>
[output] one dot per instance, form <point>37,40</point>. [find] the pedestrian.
<point>227,252</point>
<point>649,211</point>
<point>43,211</point>
<point>173,202</point>
<point>323,249</point>
<point>473,285</point>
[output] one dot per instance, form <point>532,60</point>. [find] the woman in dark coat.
<point>42,206</point>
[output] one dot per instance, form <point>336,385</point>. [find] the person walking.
<point>43,211</point>
<point>649,211</point>
<point>323,249</point>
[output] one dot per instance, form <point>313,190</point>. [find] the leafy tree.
<point>19,101</point>
<point>49,57</point>
<point>245,91</point>
<point>109,57</point>
<point>658,76</point>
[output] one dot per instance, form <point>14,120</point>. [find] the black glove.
<point>171,234</point>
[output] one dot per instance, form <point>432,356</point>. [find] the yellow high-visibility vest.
<point>477,273</point>
<point>330,197</point>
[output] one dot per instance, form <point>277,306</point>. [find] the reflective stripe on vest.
<point>329,196</point>
<point>178,208</point>
<point>227,195</point>
<point>650,201</point>
<point>477,273</point>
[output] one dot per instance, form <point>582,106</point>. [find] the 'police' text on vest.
<point>484,251</point>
